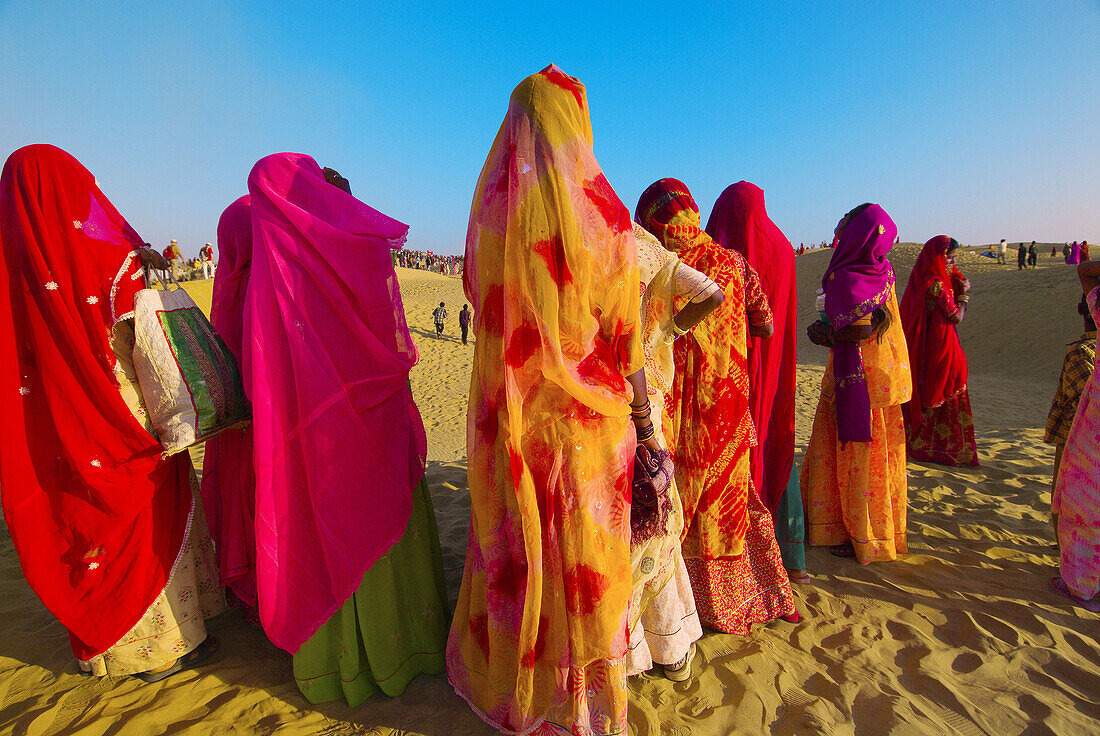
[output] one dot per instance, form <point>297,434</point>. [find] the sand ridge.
<point>960,636</point>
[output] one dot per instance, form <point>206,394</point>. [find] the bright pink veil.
<point>339,442</point>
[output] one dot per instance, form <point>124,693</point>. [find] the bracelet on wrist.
<point>645,433</point>
<point>677,329</point>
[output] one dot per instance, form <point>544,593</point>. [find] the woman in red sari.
<point>106,529</point>
<point>729,542</point>
<point>228,479</point>
<point>939,426</point>
<point>740,221</point>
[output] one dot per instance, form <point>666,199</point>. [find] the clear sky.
<point>975,119</point>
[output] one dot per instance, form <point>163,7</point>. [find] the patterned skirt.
<point>733,593</point>
<point>945,435</point>
<point>857,492</point>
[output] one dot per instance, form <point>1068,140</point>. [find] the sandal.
<point>1058,585</point>
<point>845,550</point>
<point>681,671</point>
<point>800,577</point>
<point>793,617</point>
<point>196,656</point>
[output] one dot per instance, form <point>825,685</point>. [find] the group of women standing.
<point>611,353</point>
<point>112,535</point>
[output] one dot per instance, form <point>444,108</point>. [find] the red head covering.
<point>667,209</point>
<point>228,480</point>
<point>739,221</point>
<point>339,443</point>
<point>936,356</point>
<point>97,516</point>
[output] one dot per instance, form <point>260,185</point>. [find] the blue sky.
<point>979,120</point>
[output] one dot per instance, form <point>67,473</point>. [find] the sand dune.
<point>958,637</point>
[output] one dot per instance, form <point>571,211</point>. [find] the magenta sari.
<point>228,481</point>
<point>339,443</point>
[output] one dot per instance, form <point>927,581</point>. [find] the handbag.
<point>650,504</point>
<point>188,377</point>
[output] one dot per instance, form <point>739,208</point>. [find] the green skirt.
<point>391,629</point>
<point>790,525</point>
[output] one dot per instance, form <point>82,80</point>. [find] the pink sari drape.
<point>740,221</point>
<point>339,443</point>
<point>228,481</point>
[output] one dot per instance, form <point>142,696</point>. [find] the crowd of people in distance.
<point>1027,256</point>
<point>630,435</point>
<point>427,261</point>
<point>183,269</point>
<point>802,247</point>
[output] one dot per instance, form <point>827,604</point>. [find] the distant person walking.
<point>1000,249</point>
<point>1032,255</point>
<point>1084,253</point>
<point>175,259</point>
<point>206,258</point>
<point>1021,256</point>
<point>439,315</point>
<point>464,322</point>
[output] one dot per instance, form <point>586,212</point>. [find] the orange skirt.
<point>857,493</point>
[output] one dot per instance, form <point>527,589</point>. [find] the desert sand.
<point>961,636</point>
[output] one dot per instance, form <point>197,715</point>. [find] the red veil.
<point>935,353</point>
<point>740,222</point>
<point>96,515</point>
<point>228,479</point>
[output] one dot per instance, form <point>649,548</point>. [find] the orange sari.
<point>539,634</point>
<point>858,490</point>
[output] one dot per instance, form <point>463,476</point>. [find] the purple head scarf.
<point>857,282</point>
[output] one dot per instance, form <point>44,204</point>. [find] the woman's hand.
<point>820,334</point>
<point>650,445</point>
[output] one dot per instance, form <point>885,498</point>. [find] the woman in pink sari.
<point>1075,502</point>
<point>739,221</point>
<point>348,568</point>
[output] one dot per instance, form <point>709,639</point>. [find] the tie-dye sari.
<point>729,541</point>
<point>707,421</point>
<point>539,633</point>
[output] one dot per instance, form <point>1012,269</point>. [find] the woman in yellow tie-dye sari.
<point>539,633</point>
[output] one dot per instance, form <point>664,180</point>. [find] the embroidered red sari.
<point>939,426</point>
<point>97,516</point>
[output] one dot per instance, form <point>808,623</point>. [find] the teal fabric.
<point>790,524</point>
<point>392,629</point>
